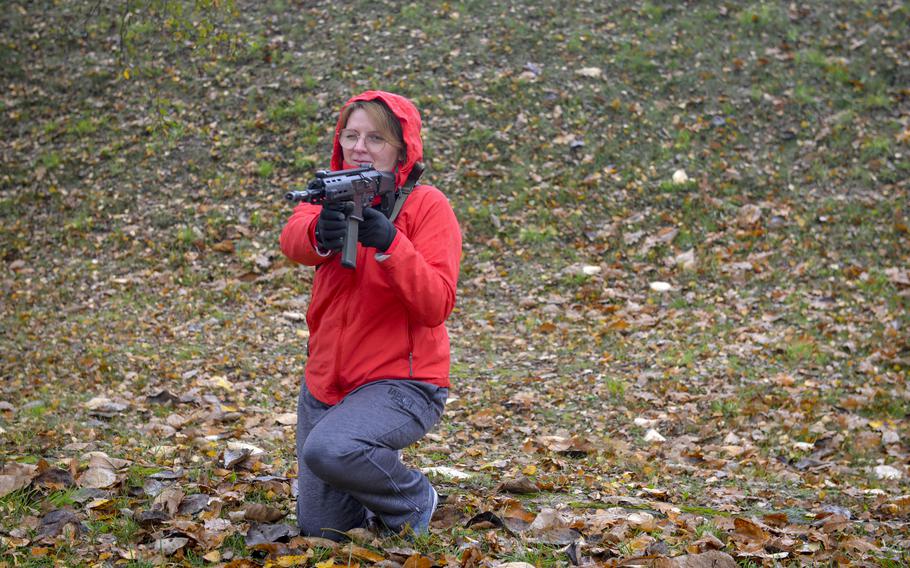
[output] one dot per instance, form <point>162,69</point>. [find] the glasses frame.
<point>370,146</point>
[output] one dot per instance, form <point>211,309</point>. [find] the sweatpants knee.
<point>331,462</point>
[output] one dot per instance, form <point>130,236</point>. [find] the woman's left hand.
<point>376,230</point>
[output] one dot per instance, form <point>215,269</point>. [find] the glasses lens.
<point>375,142</point>
<point>349,138</point>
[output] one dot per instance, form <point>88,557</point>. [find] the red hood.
<point>408,116</point>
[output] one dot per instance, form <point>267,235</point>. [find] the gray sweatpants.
<point>347,456</point>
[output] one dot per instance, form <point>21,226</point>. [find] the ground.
<point>682,327</point>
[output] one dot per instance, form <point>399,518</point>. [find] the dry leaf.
<point>748,216</point>
<point>287,419</point>
<point>262,513</point>
<point>168,546</point>
<point>97,478</point>
<point>520,485</point>
<point>592,72</point>
<point>710,559</point>
<point>362,553</point>
<point>749,533</point>
<point>15,476</point>
<point>225,246</point>
<point>418,561</point>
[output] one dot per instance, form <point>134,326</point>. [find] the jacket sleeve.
<point>298,238</point>
<point>424,258</point>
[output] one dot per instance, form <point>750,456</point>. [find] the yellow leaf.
<point>530,470</point>
<point>222,382</point>
<point>326,563</point>
<point>126,74</point>
<point>295,560</point>
<point>876,424</point>
<point>417,561</point>
<point>363,553</point>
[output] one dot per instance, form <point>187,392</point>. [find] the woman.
<point>377,374</point>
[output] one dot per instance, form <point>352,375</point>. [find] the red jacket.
<point>384,319</point>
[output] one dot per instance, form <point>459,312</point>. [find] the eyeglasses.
<point>349,138</point>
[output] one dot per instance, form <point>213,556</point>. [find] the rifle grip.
<point>349,249</point>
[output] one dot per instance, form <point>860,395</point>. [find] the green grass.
<point>140,177</point>
<point>538,555</point>
<point>299,110</point>
<point>265,169</point>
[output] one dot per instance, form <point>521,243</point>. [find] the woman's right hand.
<point>330,228</point>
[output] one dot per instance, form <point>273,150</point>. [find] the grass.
<point>545,167</point>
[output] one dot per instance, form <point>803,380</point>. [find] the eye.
<point>375,139</point>
<point>349,136</point>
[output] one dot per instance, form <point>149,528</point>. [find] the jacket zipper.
<point>344,325</point>
<point>410,350</point>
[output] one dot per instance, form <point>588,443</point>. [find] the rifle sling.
<point>406,189</point>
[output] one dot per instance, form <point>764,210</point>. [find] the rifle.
<point>348,191</point>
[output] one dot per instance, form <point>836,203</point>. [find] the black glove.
<point>376,230</point>
<point>330,229</point>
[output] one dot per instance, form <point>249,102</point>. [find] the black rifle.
<point>348,191</point>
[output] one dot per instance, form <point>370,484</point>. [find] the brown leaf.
<point>97,478</point>
<point>362,553</point>
<point>168,500</point>
<point>520,485</point>
<point>55,523</point>
<point>262,513</point>
<point>150,519</point>
<point>15,476</point>
<point>54,478</point>
<point>749,533</point>
<point>858,544</point>
<point>710,559</point>
<point>705,543</point>
<point>748,216</point>
<point>192,504</point>
<point>225,246</point>
<point>168,546</point>
<point>417,561</point>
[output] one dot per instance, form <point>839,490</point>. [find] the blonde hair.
<point>386,122</point>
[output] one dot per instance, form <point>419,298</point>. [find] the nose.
<point>361,144</point>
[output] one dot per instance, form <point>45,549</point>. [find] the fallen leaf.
<point>592,72</point>
<point>54,523</point>
<point>521,485</point>
<point>262,513</point>
<point>361,552</point>
<point>15,476</point>
<point>418,561</point>
<point>225,246</point>
<point>749,534</point>
<point>168,546</point>
<point>652,436</point>
<point>748,216</point>
<point>97,478</point>
<point>287,419</point>
<point>260,533</point>
<point>710,559</point>
<point>887,472</point>
<point>447,472</point>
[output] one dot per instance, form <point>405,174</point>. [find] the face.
<point>363,152</point>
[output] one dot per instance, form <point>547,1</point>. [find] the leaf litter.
<point>681,331</point>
